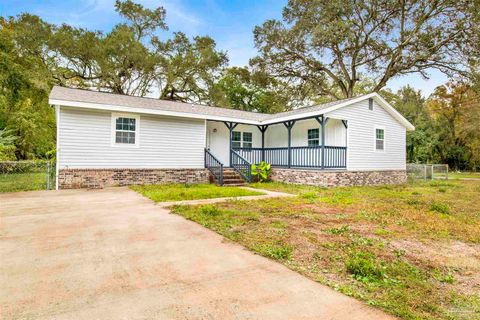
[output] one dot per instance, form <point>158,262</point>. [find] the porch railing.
<point>214,166</point>
<point>301,157</point>
<point>241,165</point>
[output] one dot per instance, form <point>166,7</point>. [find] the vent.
<point>370,104</point>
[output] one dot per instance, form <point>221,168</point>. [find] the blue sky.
<point>229,22</point>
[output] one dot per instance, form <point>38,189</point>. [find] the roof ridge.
<point>158,99</point>
<point>267,115</point>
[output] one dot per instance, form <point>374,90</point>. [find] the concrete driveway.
<point>112,254</point>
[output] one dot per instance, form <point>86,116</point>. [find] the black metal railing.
<point>241,165</point>
<point>214,166</point>
<point>301,157</point>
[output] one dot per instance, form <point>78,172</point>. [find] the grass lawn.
<point>178,192</point>
<point>463,175</point>
<point>412,250</point>
<point>22,182</point>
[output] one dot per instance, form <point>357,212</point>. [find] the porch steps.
<point>231,178</point>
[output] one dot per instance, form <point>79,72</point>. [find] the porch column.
<point>289,126</point>
<point>230,126</point>
<point>345,124</point>
<point>323,122</point>
<point>262,130</point>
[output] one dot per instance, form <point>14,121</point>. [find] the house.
<point>106,139</point>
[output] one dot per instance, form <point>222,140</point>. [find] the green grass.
<point>22,182</point>
<point>398,248</point>
<point>463,175</point>
<point>179,192</point>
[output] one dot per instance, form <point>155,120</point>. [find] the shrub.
<point>362,266</point>
<point>7,153</point>
<point>440,207</point>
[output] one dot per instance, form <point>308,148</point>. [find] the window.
<point>247,140</point>
<point>370,104</point>
<point>313,137</point>
<point>379,139</point>
<point>241,139</point>
<point>236,139</point>
<point>125,130</point>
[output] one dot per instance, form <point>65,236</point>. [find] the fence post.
<point>48,175</point>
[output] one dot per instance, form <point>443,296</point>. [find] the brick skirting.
<point>336,178</point>
<point>101,178</point>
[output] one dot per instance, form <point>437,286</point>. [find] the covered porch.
<point>316,142</point>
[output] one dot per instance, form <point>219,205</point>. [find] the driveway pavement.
<point>112,254</point>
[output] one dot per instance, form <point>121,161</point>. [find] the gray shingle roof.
<point>87,96</point>
<point>300,111</point>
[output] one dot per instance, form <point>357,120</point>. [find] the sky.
<point>229,22</point>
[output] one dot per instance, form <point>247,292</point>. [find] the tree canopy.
<point>329,47</point>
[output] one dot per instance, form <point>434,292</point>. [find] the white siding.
<point>361,153</point>
<point>164,142</point>
<point>277,135</point>
<point>218,140</point>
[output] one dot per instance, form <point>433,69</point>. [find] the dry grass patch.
<point>393,247</point>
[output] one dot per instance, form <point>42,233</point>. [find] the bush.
<point>7,153</point>
<point>362,266</point>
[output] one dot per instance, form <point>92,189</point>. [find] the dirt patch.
<point>462,259</point>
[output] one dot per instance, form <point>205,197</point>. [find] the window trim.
<point>375,139</point>
<point>250,142</point>
<point>242,141</point>
<point>308,139</point>
<point>113,130</point>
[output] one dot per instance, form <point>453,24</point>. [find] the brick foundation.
<point>329,178</point>
<point>101,178</point>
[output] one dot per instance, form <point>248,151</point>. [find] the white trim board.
<point>384,104</point>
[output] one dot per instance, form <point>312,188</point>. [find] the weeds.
<point>341,230</point>
<point>275,251</point>
<point>209,210</point>
<point>440,207</point>
<point>364,241</point>
<point>364,268</point>
<point>311,196</point>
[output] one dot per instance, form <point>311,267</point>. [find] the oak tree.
<point>328,47</point>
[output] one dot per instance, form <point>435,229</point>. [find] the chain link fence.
<point>26,175</point>
<point>419,171</point>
